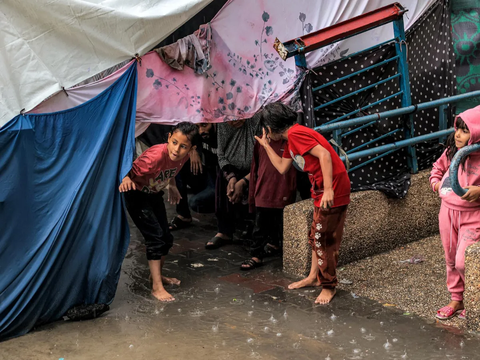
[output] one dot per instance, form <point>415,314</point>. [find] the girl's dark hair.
<point>278,117</point>
<point>190,130</point>
<point>450,143</point>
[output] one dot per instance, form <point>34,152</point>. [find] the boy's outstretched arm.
<point>127,184</point>
<point>327,170</point>
<point>280,163</point>
<point>173,192</point>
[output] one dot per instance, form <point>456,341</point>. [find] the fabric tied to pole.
<point>64,231</point>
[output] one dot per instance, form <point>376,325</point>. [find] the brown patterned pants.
<point>325,238</point>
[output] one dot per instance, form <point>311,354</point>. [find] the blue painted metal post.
<point>402,66</point>
<point>457,159</point>
<point>337,136</point>
<point>301,61</point>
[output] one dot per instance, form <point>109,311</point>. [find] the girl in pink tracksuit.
<point>459,217</point>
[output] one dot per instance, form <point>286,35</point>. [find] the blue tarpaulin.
<point>63,230</point>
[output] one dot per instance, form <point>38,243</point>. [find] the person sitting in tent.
<point>235,150</point>
<point>143,186</point>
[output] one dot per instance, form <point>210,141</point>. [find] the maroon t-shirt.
<point>153,169</point>
<point>300,141</point>
<point>269,188</point>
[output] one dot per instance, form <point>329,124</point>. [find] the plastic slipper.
<point>251,264</point>
<point>447,312</point>
<point>216,242</point>
<point>463,315</point>
<point>177,224</point>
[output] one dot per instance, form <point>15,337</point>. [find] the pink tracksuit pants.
<point>458,230</point>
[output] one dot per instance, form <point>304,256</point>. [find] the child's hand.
<point>327,199</point>
<point>437,186</point>
<point>264,140</point>
<point>127,185</point>
<point>472,194</point>
<point>173,195</point>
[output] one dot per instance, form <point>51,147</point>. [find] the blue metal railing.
<point>402,76</point>
<point>340,128</point>
<point>396,112</point>
<point>384,62</point>
<point>356,92</point>
<point>383,150</point>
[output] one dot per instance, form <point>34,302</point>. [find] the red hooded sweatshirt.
<point>468,177</point>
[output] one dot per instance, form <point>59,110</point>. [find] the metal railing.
<point>383,150</point>
<point>339,127</point>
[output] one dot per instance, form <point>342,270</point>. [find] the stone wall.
<point>471,297</point>
<point>375,224</point>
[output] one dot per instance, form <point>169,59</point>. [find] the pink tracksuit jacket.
<point>459,220</point>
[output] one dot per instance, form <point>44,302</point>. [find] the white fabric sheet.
<point>49,44</point>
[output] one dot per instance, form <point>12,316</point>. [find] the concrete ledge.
<point>375,224</point>
<point>472,287</point>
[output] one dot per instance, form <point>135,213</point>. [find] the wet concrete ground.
<point>223,313</point>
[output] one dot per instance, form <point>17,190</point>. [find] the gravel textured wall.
<point>471,297</point>
<point>375,224</point>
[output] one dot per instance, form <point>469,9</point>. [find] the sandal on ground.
<point>463,315</point>
<point>216,242</point>
<point>177,224</point>
<point>250,264</point>
<point>447,312</point>
<point>270,250</point>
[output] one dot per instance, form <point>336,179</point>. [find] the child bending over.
<point>151,173</point>
<point>459,217</point>
<point>312,153</point>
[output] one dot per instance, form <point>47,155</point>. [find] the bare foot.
<point>166,280</point>
<point>325,296</point>
<point>456,305</point>
<point>304,283</point>
<point>162,295</point>
<point>170,281</point>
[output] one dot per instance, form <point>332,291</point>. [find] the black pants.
<point>229,215</point>
<point>203,187</point>
<point>268,230</point>
<point>149,215</point>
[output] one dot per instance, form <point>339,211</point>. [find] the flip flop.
<point>252,264</point>
<point>177,224</point>
<point>216,242</point>
<point>463,315</point>
<point>447,312</point>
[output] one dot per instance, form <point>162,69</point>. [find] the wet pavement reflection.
<point>224,313</point>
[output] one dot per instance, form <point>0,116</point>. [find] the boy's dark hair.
<point>278,117</point>
<point>190,130</point>
<point>450,143</point>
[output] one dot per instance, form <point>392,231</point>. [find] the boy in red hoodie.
<point>459,217</point>
<point>312,153</point>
